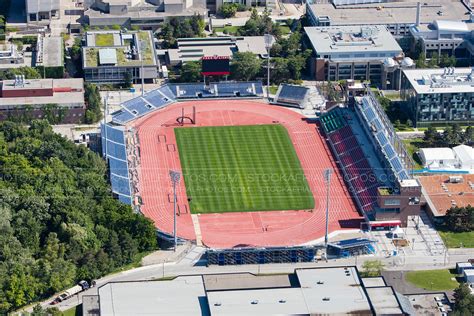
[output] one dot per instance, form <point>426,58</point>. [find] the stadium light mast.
<point>327,179</point>
<point>175,176</point>
<point>268,45</point>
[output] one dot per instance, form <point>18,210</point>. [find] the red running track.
<point>276,228</point>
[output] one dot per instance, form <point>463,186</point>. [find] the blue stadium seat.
<point>118,167</point>
<point>137,106</point>
<point>123,117</point>
<point>116,150</point>
<point>120,185</point>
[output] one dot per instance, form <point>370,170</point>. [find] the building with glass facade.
<point>437,96</point>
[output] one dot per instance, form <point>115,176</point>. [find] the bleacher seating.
<point>332,121</point>
<point>122,117</point>
<point>368,110</point>
<point>355,165</point>
<point>216,90</point>
<point>291,94</point>
<point>113,148</point>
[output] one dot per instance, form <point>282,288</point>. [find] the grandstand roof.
<point>441,195</point>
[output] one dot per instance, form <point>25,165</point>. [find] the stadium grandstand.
<point>374,161</point>
<point>169,93</point>
<point>115,152</point>
<point>291,95</point>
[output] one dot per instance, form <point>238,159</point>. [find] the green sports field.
<point>241,168</point>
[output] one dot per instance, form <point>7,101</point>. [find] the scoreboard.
<point>215,66</point>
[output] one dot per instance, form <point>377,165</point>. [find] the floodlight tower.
<point>175,176</point>
<point>327,179</point>
<point>268,45</point>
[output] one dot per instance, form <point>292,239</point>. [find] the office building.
<point>355,52</point>
<point>42,98</point>
<point>437,96</point>
<point>146,15</point>
<point>116,57</point>
<point>452,38</point>
<point>398,15</point>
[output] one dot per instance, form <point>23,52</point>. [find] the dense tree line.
<point>58,220</point>
<point>460,219</point>
<point>451,136</point>
<point>260,24</point>
<point>93,104</point>
<point>228,10</point>
<point>28,72</point>
<point>435,61</point>
<point>176,28</point>
<point>464,301</point>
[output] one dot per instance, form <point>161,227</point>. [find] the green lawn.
<point>433,280</point>
<point>242,168</point>
<point>76,310</point>
<point>104,39</point>
<point>456,240</point>
<point>228,29</point>
<point>413,145</point>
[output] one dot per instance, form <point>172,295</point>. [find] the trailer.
<point>81,286</point>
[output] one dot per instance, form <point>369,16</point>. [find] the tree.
<point>468,136</point>
<point>434,61</point>
<point>421,61</point>
<point>463,301</point>
<point>191,72</point>
<point>228,10</point>
<point>431,136</point>
<point>372,268</point>
<point>93,104</point>
<point>460,219</point>
<point>127,79</point>
<point>58,221</point>
<point>181,28</point>
<point>245,66</point>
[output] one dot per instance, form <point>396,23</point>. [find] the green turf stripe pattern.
<point>242,168</point>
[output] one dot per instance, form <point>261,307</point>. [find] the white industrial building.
<point>437,158</point>
<point>460,157</point>
<point>464,156</point>
<point>331,290</point>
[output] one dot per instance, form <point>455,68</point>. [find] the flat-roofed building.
<point>42,10</point>
<point>58,100</point>
<point>352,52</point>
<point>397,15</point>
<point>312,291</point>
<point>193,49</point>
<point>443,37</point>
<point>439,95</point>
<point>113,57</point>
<point>146,15</point>
<point>442,192</point>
